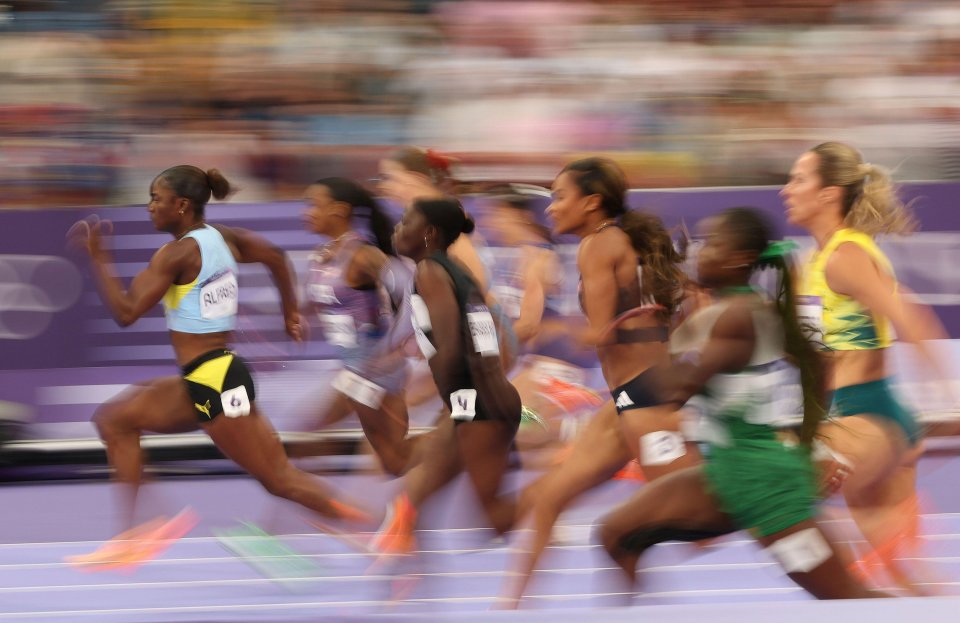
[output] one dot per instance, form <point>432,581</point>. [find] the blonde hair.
<point>870,202</point>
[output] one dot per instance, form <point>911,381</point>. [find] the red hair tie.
<point>436,161</point>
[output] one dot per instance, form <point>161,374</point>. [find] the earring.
<point>425,242</point>
<point>181,211</point>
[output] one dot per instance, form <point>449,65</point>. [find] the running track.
<point>458,570</point>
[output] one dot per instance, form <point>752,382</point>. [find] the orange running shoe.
<point>142,544</point>
<point>569,396</point>
<point>116,547</point>
<point>631,471</point>
<point>350,513</point>
<point>395,535</point>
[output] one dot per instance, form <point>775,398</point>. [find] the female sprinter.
<point>740,352</point>
<point>627,263</point>
<point>850,297</point>
<point>195,276</point>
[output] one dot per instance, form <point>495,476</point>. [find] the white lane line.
<point>376,577</point>
<point>379,603</point>
<point>678,568</point>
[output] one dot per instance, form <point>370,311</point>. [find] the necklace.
<point>328,250</point>
<point>604,225</point>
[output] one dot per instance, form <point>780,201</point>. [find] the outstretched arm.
<point>853,272</point>
<point>146,289</point>
<point>540,266</point>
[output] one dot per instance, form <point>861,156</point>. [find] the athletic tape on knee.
<point>661,447</point>
<point>801,551</point>
<point>357,388</point>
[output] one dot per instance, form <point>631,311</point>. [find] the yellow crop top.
<point>840,321</point>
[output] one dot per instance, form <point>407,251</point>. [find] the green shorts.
<point>219,382</point>
<point>876,398</point>
<point>762,484</point>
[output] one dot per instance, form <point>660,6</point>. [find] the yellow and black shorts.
<point>219,382</point>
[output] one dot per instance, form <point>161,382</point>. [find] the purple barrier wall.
<point>54,331</point>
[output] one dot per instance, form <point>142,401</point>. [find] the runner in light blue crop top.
<point>215,391</point>
<point>208,304</point>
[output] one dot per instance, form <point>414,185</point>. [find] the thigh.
<point>250,441</point>
<point>336,409</point>
<point>873,445</point>
<point>601,440</point>
<point>158,406</point>
<point>484,448</point>
<point>389,418</point>
<point>598,453</point>
<point>436,463</point>
<point>679,501</point>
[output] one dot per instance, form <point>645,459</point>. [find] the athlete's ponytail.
<point>448,216</point>
<point>197,185</point>
<point>662,275</point>
<point>364,206</point>
<point>870,202</point>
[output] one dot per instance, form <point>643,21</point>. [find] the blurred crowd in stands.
<point>99,94</point>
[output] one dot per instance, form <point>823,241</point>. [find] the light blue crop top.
<point>208,304</point>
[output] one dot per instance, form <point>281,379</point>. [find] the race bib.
<point>483,332</point>
<point>463,405</point>
<point>421,315</point>
<point>218,296</point>
<point>235,402</point>
<point>359,389</point>
<point>661,447</point>
<point>323,294</point>
<point>810,315</point>
<point>420,320</point>
<point>779,398</point>
<point>339,329</point>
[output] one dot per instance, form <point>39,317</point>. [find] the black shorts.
<point>638,393</point>
<point>219,382</point>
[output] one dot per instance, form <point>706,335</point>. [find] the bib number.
<point>463,405</point>
<point>661,447</point>
<point>323,294</point>
<point>359,389</point>
<point>810,315</point>
<point>483,332</point>
<point>339,329</point>
<point>421,324</point>
<point>218,296</point>
<point>235,402</point>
